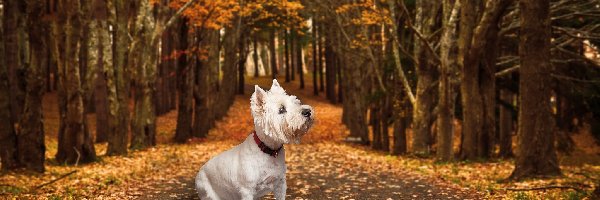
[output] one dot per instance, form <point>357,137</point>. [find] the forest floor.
<point>321,167</point>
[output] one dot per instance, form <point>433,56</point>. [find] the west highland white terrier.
<point>256,167</point>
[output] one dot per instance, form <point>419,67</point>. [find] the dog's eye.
<point>281,109</point>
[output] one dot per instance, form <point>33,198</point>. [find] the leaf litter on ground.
<point>130,176</point>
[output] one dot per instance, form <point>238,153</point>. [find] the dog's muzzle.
<point>306,112</point>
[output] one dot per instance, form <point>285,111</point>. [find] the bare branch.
<point>507,71</point>
<point>546,188</point>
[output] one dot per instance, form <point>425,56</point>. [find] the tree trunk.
<point>355,106</point>
<point>426,72</point>
<point>265,58</point>
<point>105,60</point>
<point>331,71</point>
<point>255,55</point>
<point>227,89</point>
<point>505,128</point>
<point>477,48</point>
<point>299,64</point>
<point>375,125</point>
<point>8,143</point>
<point>101,101</point>
<point>144,55</point>
<point>287,40</point>
<point>16,78</point>
<point>316,59</point>
<point>384,119</point>
<point>117,78</point>
<point>273,54</point>
<point>185,81</point>
<point>320,66</point>
<point>338,66</point>
<point>241,63</point>
<point>74,141</point>
<point>536,154</point>
<point>401,123</point>
<point>202,111</point>
<point>445,118</point>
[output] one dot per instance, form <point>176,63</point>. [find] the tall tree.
<point>426,71</point>
<point>273,53</point>
<point>316,59</point>
<point>185,81</point>
<point>330,68</point>
<point>287,50</point>
<point>74,140</point>
<point>477,54</point>
<point>13,14</point>
<point>148,29</point>
<point>299,62</point>
<point>202,110</point>
<point>242,58</point>
<point>30,138</point>
<point>101,92</point>
<point>505,125</point>
<point>255,54</point>
<point>117,77</point>
<point>8,144</point>
<point>536,155</point>
<point>447,85</point>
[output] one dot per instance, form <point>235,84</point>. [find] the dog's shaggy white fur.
<point>245,171</point>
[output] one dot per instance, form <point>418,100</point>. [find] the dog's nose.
<point>306,112</point>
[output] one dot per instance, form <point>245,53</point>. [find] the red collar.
<point>264,148</point>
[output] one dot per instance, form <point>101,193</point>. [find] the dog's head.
<point>281,116</point>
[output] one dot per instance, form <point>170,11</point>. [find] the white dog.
<point>256,167</point>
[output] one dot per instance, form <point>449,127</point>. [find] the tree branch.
<point>57,179</point>
<point>546,188</point>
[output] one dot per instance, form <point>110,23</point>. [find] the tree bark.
<point>384,119</point>
<point>74,141</point>
<point>144,55</point>
<point>287,40</point>
<point>375,119</point>
<point>243,55</point>
<point>185,81</point>
<point>299,63</point>
<point>117,77</point>
<point>273,54</point>
<point>320,66</point>
<point>505,129</point>
<point>13,13</point>
<point>448,68</point>
<point>536,153</point>
<point>331,72</point>
<point>316,59</point>
<point>8,143</point>
<point>202,111</point>
<point>227,89</point>
<point>426,72</point>
<point>255,54</point>
<point>355,106</point>
<point>477,55</point>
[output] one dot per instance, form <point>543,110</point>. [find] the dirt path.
<point>326,171</point>
<point>322,167</point>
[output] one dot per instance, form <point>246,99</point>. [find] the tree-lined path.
<point>322,166</point>
<point>120,99</point>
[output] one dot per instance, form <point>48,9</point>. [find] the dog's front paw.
<point>280,190</point>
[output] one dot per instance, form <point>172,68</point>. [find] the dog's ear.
<point>257,101</point>
<point>276,88</point>
<point>275,84</point>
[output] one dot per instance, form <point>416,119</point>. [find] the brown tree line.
<point>102,56</point>
<point>406,73</point>
<point>488,66</point>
